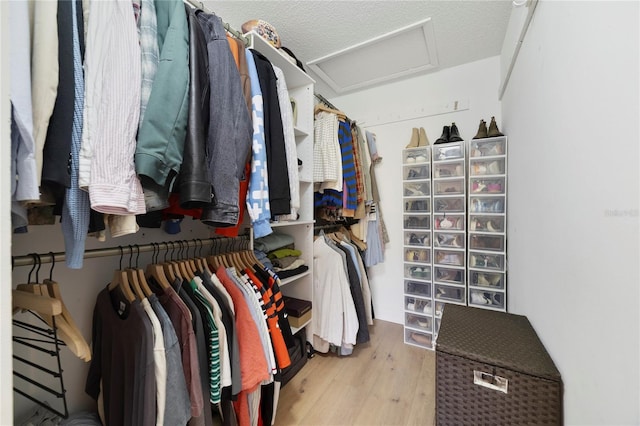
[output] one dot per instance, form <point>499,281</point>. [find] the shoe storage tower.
<point>454,220</point>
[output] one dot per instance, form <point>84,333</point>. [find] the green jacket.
<point>163,130</point>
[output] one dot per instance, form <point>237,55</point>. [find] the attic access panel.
<point>400,53</point>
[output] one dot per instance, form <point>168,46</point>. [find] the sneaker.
<point>495,187</point>
<point>494,168</point>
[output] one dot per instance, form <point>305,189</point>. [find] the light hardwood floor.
<point>384,382</point>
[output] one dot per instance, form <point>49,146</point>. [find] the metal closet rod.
<point>29,259</point>
<point>237,34</point>
<point>325,101</point>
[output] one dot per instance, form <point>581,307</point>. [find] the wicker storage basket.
<point>492,369</point>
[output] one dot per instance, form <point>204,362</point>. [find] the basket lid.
<point>497,338</point>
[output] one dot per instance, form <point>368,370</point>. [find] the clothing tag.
<point>122,307</point>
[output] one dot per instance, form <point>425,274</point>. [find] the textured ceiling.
<point>465,31</point>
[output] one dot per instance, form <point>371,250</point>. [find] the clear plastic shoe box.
<point>417,255</point>
<point>449,222</point>
<point>448,169</point>
<point>486,261</point>
<point>486,242</point>
<point>417,272</point>
<point>486,185</point>
<point>488,147</point>
<point>486,167</point>
<point>487,299</point>
<point>485,204</point>
<point>486,279</point>
<point>448,151</point>
<point>449,240</point>
<point>418,305</point>
<point>447,293</point>
<point>480,223</point>
<point>418,289</point>
<point>416,172</point>
<point>448,187</point>
<point>417,338</point>
<point>418,155</point>
<point>417,238</point>
<point>419,322</point>
<point>417,221</point>
<point>448,257</point>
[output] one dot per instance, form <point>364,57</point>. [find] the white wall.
<point>571,113</point>
<point>475,87</point>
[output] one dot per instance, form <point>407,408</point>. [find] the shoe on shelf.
<point>494,168</point>
<point>420,338</point>
<point>493,131</point>
<point>413,239</point>
<point>481,279</point>
<point>454,135</point>
<point>491,228</point>
<point>478,186</point>
<point>445,136</point>
<point>494,187</point>
<point>413,143</point>
<point>482,130</point>
<point>497,299</point>
<point>423,140</point>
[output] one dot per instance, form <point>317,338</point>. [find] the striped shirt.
<point>350,193</point>
<point>112,110</point>
<point>213,344</point>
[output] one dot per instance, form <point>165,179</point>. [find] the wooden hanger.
<point>212,259</point>
<point>322,107</point>
<point>185,267</point>
<point>191,262</point>
<point>155,270</point>
<point>44,304</point>
<point>53,290</point>
<point>142,281</point>
<point>174,265</point>
<point>121,281</point>
<point>27,301</point>
<point>167,267</point>
<point>132,276</point>
<point>203,261</point>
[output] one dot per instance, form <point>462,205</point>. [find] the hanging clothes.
<point>290,145</point>
<point>24,180</point>
<point>45,70</point>
<point>122,367</point>
<point>112,107</point>
<point>258,193</point>
<point>229,126</point>
<point>279,195</point>
<point>334,320</point>
<point>158,153</point>
<point>76,209</point>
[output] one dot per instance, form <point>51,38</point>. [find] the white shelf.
<point>285,281</point>
<point>291,223</point>
<point>294,330</point>
<point>294,75</point>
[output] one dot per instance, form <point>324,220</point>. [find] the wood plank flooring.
<point>384,382</point>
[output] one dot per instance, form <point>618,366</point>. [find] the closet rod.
<point>237,34</point>
<point>30,259</point>
<point>325,101</point>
